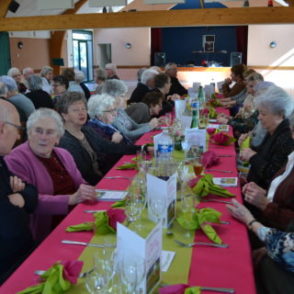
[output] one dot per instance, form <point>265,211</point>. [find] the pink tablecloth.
<point>229,267</point>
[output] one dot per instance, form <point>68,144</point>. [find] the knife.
<point>221,290</point>
<point>87,244</point>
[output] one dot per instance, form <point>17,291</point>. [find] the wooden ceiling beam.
<point>4,5</point>
<point>171,18</point>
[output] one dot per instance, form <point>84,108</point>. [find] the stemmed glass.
<point>132,270</point>
<point>157,206</point>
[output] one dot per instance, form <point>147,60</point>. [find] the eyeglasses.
<point>111,111</point>
<point>19,128</point>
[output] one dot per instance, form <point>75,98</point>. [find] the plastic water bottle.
<point>165,146</point>
<point>195,113</point>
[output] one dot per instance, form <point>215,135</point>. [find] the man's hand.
<point>16,199</point>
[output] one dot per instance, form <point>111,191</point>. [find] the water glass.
<point>157,206</point>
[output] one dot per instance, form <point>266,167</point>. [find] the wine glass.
<point>95,283</point>
<point>132,269</point>
<point>187,207</point>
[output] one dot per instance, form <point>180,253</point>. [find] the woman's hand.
<point>228,81</point>
<point>116,137</point>
<point>246,154</point>
<point>153,123</point>
<point>84,193</point>
<point>255,195</point>
<point>240,212</point>
<point>16,199</point>
<point>16,184</point>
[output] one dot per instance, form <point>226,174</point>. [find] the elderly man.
<point>27,72</point>
<point>17,199</point>
<point>176,87</point>
<point>146,85</point>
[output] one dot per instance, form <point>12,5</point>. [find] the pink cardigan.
<point>26,165</point>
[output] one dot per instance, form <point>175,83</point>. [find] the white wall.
<point>259,38</point>
<point>140,39</point>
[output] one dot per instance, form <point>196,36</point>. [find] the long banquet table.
<point>230,267</point>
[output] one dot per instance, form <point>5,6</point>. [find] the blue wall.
<point>178,43</point>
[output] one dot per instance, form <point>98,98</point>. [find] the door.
<point>5,63</point>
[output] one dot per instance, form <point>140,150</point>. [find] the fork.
<point>188,245</point>
<point>81,275</point>
<point>219,170</point>
<point>118,177</point>
<point>216,200</point>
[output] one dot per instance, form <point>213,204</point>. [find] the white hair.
<point>115,88</point>
<point>13,71</point>
<point>45,113</point>
<point>45,70</point>
<point>97,104</point>
<point>276,100</point>
<point>27,70</point>
<point>9,82</point>
<point>3,89</point>
<point>147,75</point>
<point>79,76</point>
<point>111,66</point>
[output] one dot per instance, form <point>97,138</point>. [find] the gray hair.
<point>79,76</point>
<point>100,74</point>
<point>35,82</point>
<point>147,75</point>
<point>169,65</point>
<point>115,88</point>
<point>45,113</point>
<point>97,104</point>
<point>140,72</point>
<point>276,100</point>
<point>45,70</point>
<point>9,82</point>
<point>13,71</point>
<point>291,121</point>
<point>111,66</point>
<point>3,89</point>
<point>27,70</point>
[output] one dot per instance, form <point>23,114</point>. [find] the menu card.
<point>221,128</point>
<point>167,190</point>
<point>226,182</point>
<point>195,137</point>
<point>149,249</point>
<point>109,195</point>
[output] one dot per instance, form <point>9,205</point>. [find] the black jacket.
<point>40,99</point>
<point>15,235</point>
<point>177,88</point>
<point>138,94</point>
<point>271,155</point>
<point>100,146</point>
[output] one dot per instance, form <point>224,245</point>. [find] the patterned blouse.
<point>280,246</point>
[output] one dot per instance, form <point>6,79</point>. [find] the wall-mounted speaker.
<point>159,58</point>
<point>235,58</point>
<point>13,6</point>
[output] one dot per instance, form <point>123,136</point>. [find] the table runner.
<point>230,267</point>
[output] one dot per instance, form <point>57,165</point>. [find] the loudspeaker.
<point>13,6</point>
<point>159,58</point>
<point>235,58</point>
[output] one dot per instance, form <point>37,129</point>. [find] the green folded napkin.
<point>199,220</point>
<point>212,112</point>
<point>104,223</point>
<point>193,290</point>
<point>245,143</point>
<point>57,279</point>
<point>127,165</point>
<point>204,186</point>
<point>120,203</point>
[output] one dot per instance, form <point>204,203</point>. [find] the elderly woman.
<point>85,145</point>
<point>275,267</point>
<point>79,78</point>
<point>128,127</point>
<point>102,112</point>
<point>60,85</point>
<point>52,170</point>
<point>100,78</point>
<point>15,73</point>
<point>47,76</point>
<point>151,105</point>
<point>275,206</point>
<point>111,71</point>
<point>37,95</point>
<point>274,106</point>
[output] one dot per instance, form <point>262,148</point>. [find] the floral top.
<point>280,246</point>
